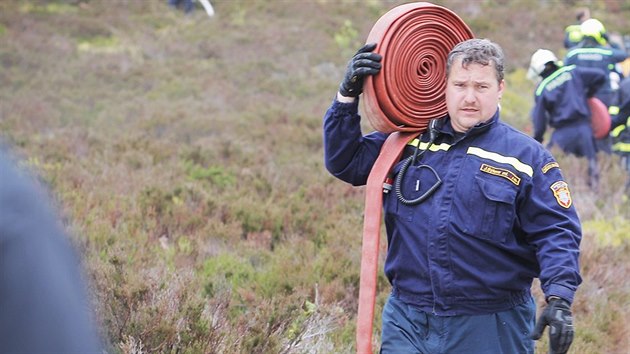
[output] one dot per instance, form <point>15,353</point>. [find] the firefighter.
<point>497,213</point>
<point>560,101</point>
<point>595,52</point>
<point>572,33</point>
<point>620,132</point>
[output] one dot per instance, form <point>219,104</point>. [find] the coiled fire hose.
<point>414,40</point>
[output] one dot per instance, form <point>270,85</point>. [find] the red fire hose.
<point>414,40</point>
<point>600,118</point>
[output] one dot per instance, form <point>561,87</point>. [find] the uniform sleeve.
<point>567,41</point>
<point>593,79</point>
<point>348,154</point>
<point>569,59</point>
<point>619,55</point>
<point>622,117</point>
<point>550,222</point>
<point>539,118</point>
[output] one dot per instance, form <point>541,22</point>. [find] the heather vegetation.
<point>185,155</point>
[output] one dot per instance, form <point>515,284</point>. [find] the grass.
<point>185,156</point>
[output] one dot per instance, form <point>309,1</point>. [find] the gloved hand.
<point>362,64</point>
<point>557,315</point>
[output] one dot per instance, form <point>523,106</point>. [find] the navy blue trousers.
<point>576,139</point>
<point>407,329</point>
<point>188,5</point>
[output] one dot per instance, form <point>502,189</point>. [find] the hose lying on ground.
<point>414,40</point>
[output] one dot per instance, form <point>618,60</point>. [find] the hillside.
<point>185,154</point>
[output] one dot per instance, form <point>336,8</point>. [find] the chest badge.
<point>561,192</point>
<point>501,172</point>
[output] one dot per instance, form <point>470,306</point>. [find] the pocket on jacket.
<point>487,211</point>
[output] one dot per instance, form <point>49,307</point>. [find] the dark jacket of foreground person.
<point>43,303</point>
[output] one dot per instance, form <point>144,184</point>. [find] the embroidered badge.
<point>561,192</point>
<point>501,172</point>
<point>549,166</point>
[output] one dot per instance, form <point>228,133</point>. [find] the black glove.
<point>557,315</point>
<point>362,64</point>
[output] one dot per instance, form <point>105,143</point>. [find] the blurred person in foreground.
<point>43,302</point>
<point>561,101</point>
<point>461,263</point>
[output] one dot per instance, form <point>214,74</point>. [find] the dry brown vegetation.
<point>186,158</point>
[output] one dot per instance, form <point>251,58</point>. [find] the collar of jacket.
<point>444,127</point>
<point>588,42</point>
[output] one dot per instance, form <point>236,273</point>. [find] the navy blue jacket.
<point>502,216</point>
<point>44,306</point>
<point>561,98</point>
<point>595,56</point>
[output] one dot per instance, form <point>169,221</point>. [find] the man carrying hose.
<point>475,212</point>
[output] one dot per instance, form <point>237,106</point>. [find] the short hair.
<point>477,51</point>
<point>582,14</point>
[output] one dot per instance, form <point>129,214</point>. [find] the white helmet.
<point>539,59</point>
<point>592,28</point>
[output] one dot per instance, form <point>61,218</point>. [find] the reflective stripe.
<point>615,132</point>
<point>621,147</point>
<point>613,110</point>
<point>423,146</point>
<point>588,51</point>
<point>514,162</point>
<point>549,78</point>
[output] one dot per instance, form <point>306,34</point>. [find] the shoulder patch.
<point>561,193</point>
<point>501,172</point>
<point>549,166</point>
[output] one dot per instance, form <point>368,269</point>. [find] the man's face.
<point>472,94</point>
